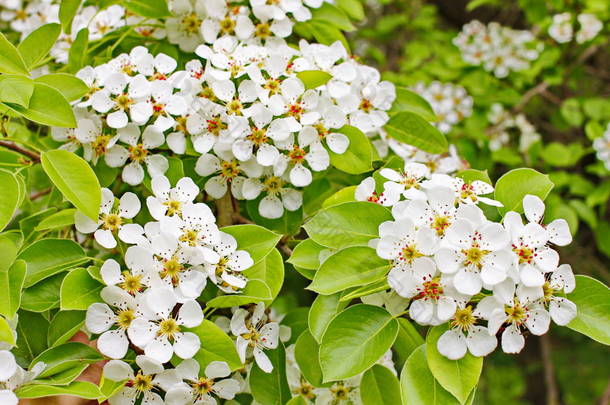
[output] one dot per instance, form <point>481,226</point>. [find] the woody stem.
<point>224,210</point>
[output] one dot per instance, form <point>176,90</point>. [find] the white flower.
<point>404,243</point>
<point>139,151</point>
<point>226,272</point>
<point>602,147</point>
<point>111,221</point>
<point>167,201</point>
<point>8,365</point>
<point>151,377</point>
<point>465,335</point>
<point>12,377</point>
<point>366,192</point>
<point>253,330</point>
<point>409,179</point>
<point>346,392</point>
<point>450,103</point>
<point>558,230</point>
<point>437,213</point>
<point>228,172</point>
<point>198,390</point>
<point>183,29</point>
<point>277,197</point>
<point>161,336</point>
<point>561,28</point>
<point>476,253</point>
<point>590,26</point>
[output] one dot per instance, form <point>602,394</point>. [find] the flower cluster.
<point>12,376</point>
<point>505,125</point>
<point>244,111</point>
<point>450,103</point>
<point>457,266</point>
<point>497,48</point>
<point>562,29</point>
<point>602,147</point>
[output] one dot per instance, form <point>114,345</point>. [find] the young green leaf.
<point>78,51</point>
<point>11,60</point>
<point>270,270</point>
<point>16,89</point>
<point>516,184</point>
<point>80,389</point>
<point>73,176</point>
<point>148,8</point>
<point>322,311</point>
<point>67,11</point>
<point>406,100</point>
<point>314,78</point>
<point>459,377</point>
<point>306,255</point>
<point>35,47</point>
<point>47,106</point>
<point>355,340</point>
<point>59,219</point>
<point>64,325</point>
<point>330,14</point>
<point>11,282</point>
<point>412,129</point>
<point>379,386</point>
<point>79,290</point>
<point>44,295</point>
<point>306,353</point>
<point>218,346</point>
<point>255,291</point>
<point>271,388</point>
<point>71,87</point>
<point>66,356</point>
<point>592,299</point>
<point>254,239</point>
<point>9,197</point>
<point>350,267</point>
<point>358,158</point>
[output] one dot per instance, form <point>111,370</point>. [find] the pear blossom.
<point>277,197</point>
<point>198,389</point>
<point>409,179</point>
<point>150,377</point>
<point>227,172</point>
<point>12,376</point>
<point>183,28</point>
<point>253,330</point>
<point>602,147</point>
<point>561,28</point>
<point>590,26</point>
<point>226,272</point>
<point>111,221</point>
<point>167,201</point>
<point>365,191</point>
<point>465,336</point>
<point>450,103</point>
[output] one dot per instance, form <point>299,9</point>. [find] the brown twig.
<point>41,193</point>
<point>224,209</point>
<point>33,156</point>
<point>240,219</point>
<point>552,391</point>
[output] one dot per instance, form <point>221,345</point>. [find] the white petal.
<point>562,310</point>
<point>533,208</point>
<point>452,344</point>
<point>113,344</point>
<point>217,369</point>
<point>480,342</point>
<point>186,345</point>
<point>105,238</point>
<point>512,340</point>
<point>262,360</point>
<point>117,370</point>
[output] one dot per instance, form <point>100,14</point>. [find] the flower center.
<point>463,318</point>
<point>258,136</point>
<point>202,386</point>
<point>322,131</point>
<point>467,192</point>
<point>273,185</point>
<point>100,144</point>
<point>215,125</point>
<point>431,289</point>
<point>131,283</point>
<point>227,25</point>
<point>137,153</point>
<point>229,170</point>
<point>142,383</point>
<point>409,253</point>
<point>547,291</point>
<point>439,224</point>
<point>306,390</point>
<point>517,314</point>
<point>295,110</point>
<point>158,109</point>
<point>190,24</point>
<point>181,125</point>
<point>168,327</point>
<point>123,101</point>
<point>366,105</point>
<point>273,85</point>
<point>297,154</point>
<point>234,107</point>
<point>124,318</point>
<point>173,207</point>
<point>189,237</point>
<point>340,392</point>
<point>474,255</point>
<point>207,92</point>
<point>526,255</point>
<point>262,30</point>
<point>172,268</point>
<point>111,222</point>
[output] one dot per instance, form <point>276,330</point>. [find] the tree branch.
<point>224,209</point>
<point>33,156</point>
<point>552,392</point>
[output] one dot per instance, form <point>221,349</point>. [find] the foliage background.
<point>410,41</point>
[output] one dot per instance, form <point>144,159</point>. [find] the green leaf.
<point>64,377</point>
<point>64,325</point>
<point>271,271</point>
<point>11,282</point>
<point>355,340</point>
<point>346,194</point>
<point>325,33</point>
<point>350,267</point>
<point>6,333</point>
<point>80,389</point>
<point>254,239</point>
<point>347,224</point>
<point>47,257</point>
<point>459,377</point>
<point>470,175</point>
<point>516,184</point>
<point>35,47</point>
<point>407,341</point>
<point>296,320</point>
<point>353,8</point>
<point>47,106</point>
<point>406,100</point>
<point>322,311</point>
<point>298,400</point>
<point>9,197</point>
<point>30,341</point>
<point>79,290</point>
<point>412,129</point>
<point>271,388</point>
<point>592,299</point>
<point>330,14</point>
<point>148,8</point>
<point>78,51</point>
<point>417,384</point>
<point>255,291</point>
<point>358,158</point>
<point>10,58</point>
<point>368,289</point>
<point>379,386</point>
<point>65,357</point>
<point>306,255</point>
<point>16,89</point>
<point>59,219</point>
<point>43,295</point>
<point>216,346</point>
<point>73,176</point>
<point>313,79</point>
<point>71,87</point>
<point>571,112</point>
<point>306,352</point>
<point>67,11</point>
